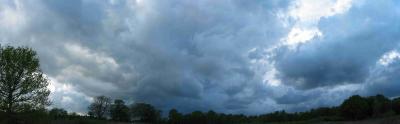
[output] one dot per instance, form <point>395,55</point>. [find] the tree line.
<point>24,99</point>
<point>102,108</point>
<point>354,108</point>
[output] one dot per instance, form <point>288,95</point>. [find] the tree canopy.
<point>396,105</point>
<point>23,86</point>
<point>99,107</point>
<point>119,111</point>
<point>355,107</point>
<point>145,112</point>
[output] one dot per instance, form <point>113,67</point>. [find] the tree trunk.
<point>9,102</point>
<point>9,110</point>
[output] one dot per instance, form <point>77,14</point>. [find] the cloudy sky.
<point>232,56</point>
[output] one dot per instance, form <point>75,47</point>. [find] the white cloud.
<point>310,11</point>
<point>270,77</point>
<point>12,18</point>
<point>389,57</point>
<point>298,36</point>
<point>86,55</point>
<point>307,14</point>
<point>66,100</point>
<point>66,96</point>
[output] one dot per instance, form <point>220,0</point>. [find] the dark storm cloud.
<point>384,77</point>
<point>297,97</point>
<point>171,54</point>
<point>202,55</point>
<point>385,83</point>
<point>347,49</point>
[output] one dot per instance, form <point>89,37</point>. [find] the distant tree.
<point>145,113</point>
<point>212,117</point>
<point>320,112</point>
<point>22,83</point>
<point>355,108</point>
<point>197,117</point>
<point>99,107</point>
<point>119,111</point>
<point>379,105</point>
<point>73,115</point>
<point>174,117</point>
<point>58,113</point>
<point>396,105</point>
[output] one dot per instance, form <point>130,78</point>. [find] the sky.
<point>231,56</point>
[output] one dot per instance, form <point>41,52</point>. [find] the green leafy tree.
<point>355,108</point>
<point>99,107</point>
<point>119,111</point>
<point>145,113</point>
<point>23,86</point>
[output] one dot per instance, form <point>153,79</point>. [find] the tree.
<point>22,83</point>
<point>396,105</point>
<point>145,112</point>
<point>174,117</point>
<point>355,108</point>
<point>119,111</point>
<point>212,117</point>
<point>379,105</point>
<point>58,113</point>
<point>196,117</point>
<point>99,107</point>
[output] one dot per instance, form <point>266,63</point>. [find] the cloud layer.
<point>229,56</point>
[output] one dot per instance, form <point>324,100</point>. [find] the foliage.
<point>58,113</point>
<point>99,107</point>
<point>379,105</point>
<point>119,111</point>
<point>23,86</point>
<point>145,113</point>
<point>355,108</point>
<point>174,117</point>
<point>396,105</point>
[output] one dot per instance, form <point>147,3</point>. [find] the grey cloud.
<point>297,97</point>
<point>171,54</point>
<point>198,55</point>
<point>383,80</point>
<point>347,49</point>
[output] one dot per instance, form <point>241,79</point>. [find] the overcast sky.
<point>232,56</point>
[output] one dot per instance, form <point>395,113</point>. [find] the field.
<point>387,120</point>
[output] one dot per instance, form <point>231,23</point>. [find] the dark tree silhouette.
<point>119,111</point>
<point>58,113</point>
<point>174,117</point>
<point>355,108</point>
<point>197,117</point>
<point>379,105</point>
<point>23,86</point>
<point>145,113</point>
<point>99,107</point>
<point>396,105</point>
<point>212,117</point>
